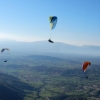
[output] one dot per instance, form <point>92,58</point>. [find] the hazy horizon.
<point>10,40</point>
<point>44,47</point>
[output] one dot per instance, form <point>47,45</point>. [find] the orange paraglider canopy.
<point>85,65</point>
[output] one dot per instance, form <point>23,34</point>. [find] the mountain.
<point>46,47</point>
<point>11,88</point>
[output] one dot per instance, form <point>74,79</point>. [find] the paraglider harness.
<point>50,41</point>
<point>5,61</point>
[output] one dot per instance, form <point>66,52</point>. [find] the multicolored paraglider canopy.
<point>53,22</point>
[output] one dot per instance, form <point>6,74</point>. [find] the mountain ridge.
<point>46,47</point>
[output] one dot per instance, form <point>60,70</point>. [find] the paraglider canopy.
<point>85,65</point>
<point>53,22</point>
<point>4,49</point>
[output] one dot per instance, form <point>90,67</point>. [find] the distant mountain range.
<point>46,47</point>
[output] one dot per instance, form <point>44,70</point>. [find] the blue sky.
<point>28,20</point>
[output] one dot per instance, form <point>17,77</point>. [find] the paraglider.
<point>50,41</point>
<point>85,66</point>
<point>86,77</point>
<point>5,61</point>
<point>53,22</point>
<point>4,49</point>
